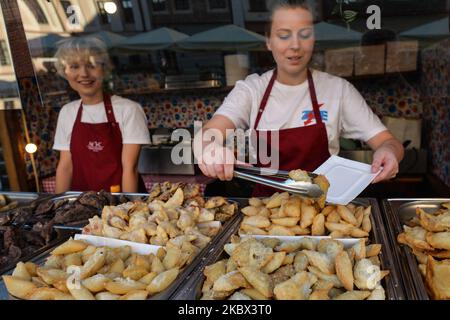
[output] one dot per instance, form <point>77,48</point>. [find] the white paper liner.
<point>139,248</point>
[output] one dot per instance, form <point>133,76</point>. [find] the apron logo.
<point>308,116</point>
<point>95,146</point>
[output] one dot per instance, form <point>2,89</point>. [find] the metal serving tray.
<point>44,251</point>
<point>38,257</point>
<point>182,277</point>
<point>21,197</point>
<point>25,199</point>
<point>397,213</point>
<point>191,290</point>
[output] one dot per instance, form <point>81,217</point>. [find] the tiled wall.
<point>181,109</point>
<point>395,95</point>
<point>436,102</point>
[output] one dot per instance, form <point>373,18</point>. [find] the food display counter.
<point>394,290</point>
<point>425,269</point>
<point>185,222</point>
<point>70,213</point>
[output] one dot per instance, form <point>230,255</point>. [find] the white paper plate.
<point>138,248</point>
<point>347,178</point>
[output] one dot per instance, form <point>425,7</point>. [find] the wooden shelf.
<point>162,91</point>
<point>382,76</point>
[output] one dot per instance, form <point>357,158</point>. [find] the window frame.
<point>101,14</point>
<point>5,54</point>
<point>127,9</point>
<point>226,9</point>
<point>165,11</point>
<point>175,10</point>
<point>36,5</point>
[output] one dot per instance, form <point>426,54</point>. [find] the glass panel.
<point>9,90</point>
<point>401,70</point>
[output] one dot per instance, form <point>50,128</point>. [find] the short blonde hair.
<point>85,48</point>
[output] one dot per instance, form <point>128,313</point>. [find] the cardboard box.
<point>402,56</point>
<point>370,60</point>
<point>340,62</point>
<point>405,129</point>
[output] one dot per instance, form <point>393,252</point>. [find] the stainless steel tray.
<point>27,199</point>
<point>191,290</point>
<point>21,197</point>
<point>44,251</point>
<point>397,213</point>
<point>185,275</point>
<point>38,257</point>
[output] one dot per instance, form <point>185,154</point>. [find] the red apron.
<point>96,152</point>
<point>299,148</point>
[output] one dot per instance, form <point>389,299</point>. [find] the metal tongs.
<point>256,174</point>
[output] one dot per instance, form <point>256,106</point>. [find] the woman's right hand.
<point>217,163</point>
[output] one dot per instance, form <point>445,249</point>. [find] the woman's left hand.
<point>384,157</point>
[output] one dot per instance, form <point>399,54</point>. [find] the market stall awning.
<point>435,29</point>
<point>109,38</point>
<point>329,32</point>
<point>328,35</point>
<point>158,39</point>
<point>46,44</point>
<point>226,38</point>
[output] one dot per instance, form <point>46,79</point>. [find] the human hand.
<point>385,157</point>
<point>217,162</point>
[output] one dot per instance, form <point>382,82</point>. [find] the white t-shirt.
<point>129,115</point>
<point>343,109</point>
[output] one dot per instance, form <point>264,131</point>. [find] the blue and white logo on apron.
<point>308,115</point>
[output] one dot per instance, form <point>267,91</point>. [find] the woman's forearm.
<point>130,156</point>
<point>130,178</point>
<point>63,179</point>
<point>396,147</point>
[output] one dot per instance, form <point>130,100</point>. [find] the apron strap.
<point>263,104</point>
<point>79,113</point>
<point>312,92</point>
<point>108,108</point>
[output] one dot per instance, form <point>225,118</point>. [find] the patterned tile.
<point>436,101</point>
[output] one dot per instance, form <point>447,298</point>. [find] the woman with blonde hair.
<point>309,110</point>
<point>99,136</point>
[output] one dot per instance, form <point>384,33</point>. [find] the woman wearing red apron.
<point>99,136</point>
<point>308,110</point>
